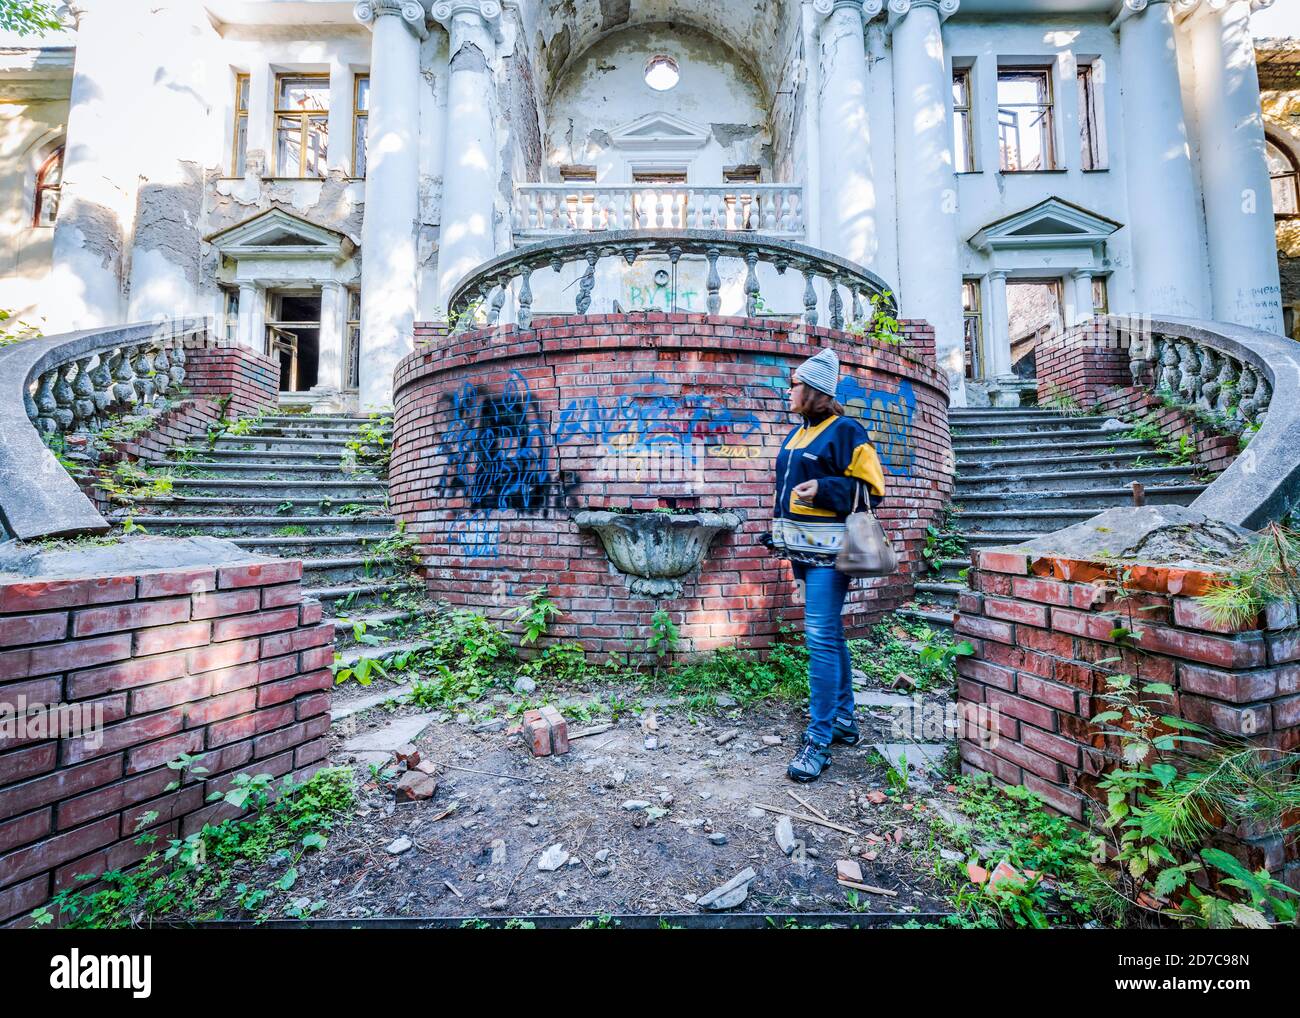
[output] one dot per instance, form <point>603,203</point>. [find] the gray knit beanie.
<point>821,372</point>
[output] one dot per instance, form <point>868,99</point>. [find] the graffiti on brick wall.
<point>496,454</point>
<point>636,425</point>
<point>887,416</point>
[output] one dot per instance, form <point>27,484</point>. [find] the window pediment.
<point>658,132</point>
<point>280,234</point>
<point>1051,223</point>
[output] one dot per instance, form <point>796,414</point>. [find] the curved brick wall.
<point>502,435</point>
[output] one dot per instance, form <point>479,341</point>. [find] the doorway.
<point>1035,310</point>
<point>293,336</point>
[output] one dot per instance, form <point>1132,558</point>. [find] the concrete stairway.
<point>1025,472</point>
<point>288,485</point>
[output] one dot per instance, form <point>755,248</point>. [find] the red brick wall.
<point>227,660</point>
<point>250,379</point>
<point>1042,632</point>
<point>602,404</point>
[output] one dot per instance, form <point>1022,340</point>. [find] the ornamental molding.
<point>866,9</point>
<point>899,9</point>
<point>411,12</point>
<point>1184,9</point>
<point>487,12</point>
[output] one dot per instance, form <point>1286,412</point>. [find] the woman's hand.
<point>806,492</point>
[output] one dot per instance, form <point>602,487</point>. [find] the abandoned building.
<point>320,175</point>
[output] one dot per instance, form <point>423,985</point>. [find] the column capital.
<point>411,12</point>
<point>865,9</point>
<point>1188,10</point>
<point>487,12</point>
<point>999,273</point>
<point>899,9</point>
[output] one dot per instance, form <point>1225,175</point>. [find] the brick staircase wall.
<point>226,660</point>
<point>1043,629</point>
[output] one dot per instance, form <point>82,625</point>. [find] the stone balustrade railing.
<point>853,295</point>
<point>551,209</point>
<point>1247,379</point>
<point>74,383</point>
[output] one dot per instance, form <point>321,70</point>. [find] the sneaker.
<point>810,761</point>
<point>845,730</point>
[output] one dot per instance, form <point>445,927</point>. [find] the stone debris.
<point>718,838</point>
<point>388,738</point>
<point>730,894</point>
<point>729,735</point>
<point>771,740</point>
<point>399,846</point>
<point>407,754</point>
<point>848,869</point>
<point>545,732</point>
<point>416,785</point>
<point>785,839</point>
<point>524,684</point>
<point>498,852</point>
<point>724,700</point>
<point>632,804</point>
<point>553,858</point>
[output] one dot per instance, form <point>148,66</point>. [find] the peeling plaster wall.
<point>605,90</point>
<point>33,116</point>
<point>1281,105</point>
<point>433,120</point>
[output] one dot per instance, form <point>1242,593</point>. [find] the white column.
<point>329,372</point>
<point>469,180</point>
<point>1162,198</point>
<point>928,264</point>
<point>997,327</point>
<point>1244,281</point>
<point>100,173</point>
<point>252,318</point>
<point>388,233</point>
<point>1079,300</point>
<point>847,201</point>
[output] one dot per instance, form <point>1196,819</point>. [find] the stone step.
<point>311,545</point>
<point>380,623</point>
<point>1069,480</point>
<point>948,570</point>
<point>352,420</point>
<point>943,593</point>
<point>1019,450</point>
<point>237,526</point>
<point>227,505</point>
<point>360,704</point>
<point>934,617</point>
<point>346,490</point>
<point>1029,522</point>
<point>332,571</point>
<point>349,656</point>
<point>1093,500</point>
<point>268,470</point>
<point>990,539</point>
<point>964,415</point>
<point>303,432</point>
<point>974,468</point>
<point>964,427</point>
<point>271,443</point>
<point>346,597</point>
<point>202,454</point>
<point>1034,435</point>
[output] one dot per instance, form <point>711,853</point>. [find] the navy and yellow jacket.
<point>836,452</point>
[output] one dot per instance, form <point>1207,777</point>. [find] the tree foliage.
<point>29,17</point>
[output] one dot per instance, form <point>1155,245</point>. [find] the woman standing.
<point>826,468</point>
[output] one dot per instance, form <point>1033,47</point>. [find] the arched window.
<point>1286,180</point>
<point>49,179</point>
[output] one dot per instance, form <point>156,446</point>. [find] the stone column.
<point>252,317</point>
<point>1162,198</point>
<point>105,134</point>
<point>329,371</point>
<point>470,176</point>
<point>997,327</point>
<point>1239,225</point>
<point>848,202</point>
<point>1079,300</point>
<point>929,268</point>
<point>388,233</point>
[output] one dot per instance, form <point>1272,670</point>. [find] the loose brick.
<point>261,574</point>
<point>1238,687</point>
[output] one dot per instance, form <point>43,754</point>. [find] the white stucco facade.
<point>1110,151</point>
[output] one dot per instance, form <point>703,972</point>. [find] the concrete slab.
<point>391,736</point>
<point>364,703</point>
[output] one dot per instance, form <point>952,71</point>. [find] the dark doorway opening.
<point>293,335</point>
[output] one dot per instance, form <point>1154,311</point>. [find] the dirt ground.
<point>635,822</point>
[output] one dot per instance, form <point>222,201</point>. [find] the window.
<point>1282,171</point>
<point>353,337</point>
<point>971,327</point>
<point>240,147</point>
<point>743,174</point>
<point>302,104</point>
<point>49,181</point>
<point>1089,130</point>
<point>1100,300</point>
<point>963,150</point>
<point>662,73</point>
<point>360,123</point>
<point>578,174</point>
<point>1025,120</point>
<point>230,315</point>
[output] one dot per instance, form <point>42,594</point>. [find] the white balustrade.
<point>545,210</point>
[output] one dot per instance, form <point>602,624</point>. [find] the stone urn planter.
<point>656,550</point>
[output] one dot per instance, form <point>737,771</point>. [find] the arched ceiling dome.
<point>562,30</point>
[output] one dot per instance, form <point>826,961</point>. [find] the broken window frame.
<point>963,133</point>
<point>304,118</point>
<point>360,124</point>
<point>1013,117</point>
<point>972,327</point>
<point>352,340</point>
<point>45,204</point>
<point>239,139</point>
<point>1289,179</point>
<point>1100,296</point>
<point>230,313</point>
<point>1089,122</point>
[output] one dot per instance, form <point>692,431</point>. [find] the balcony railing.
<point>547,210</point>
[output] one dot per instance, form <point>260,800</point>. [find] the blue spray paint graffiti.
<point>888,417</point>
<point>685,423</point>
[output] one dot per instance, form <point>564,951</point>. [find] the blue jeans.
<point>830,672</point>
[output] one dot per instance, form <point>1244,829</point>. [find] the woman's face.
<point>798,393</point>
